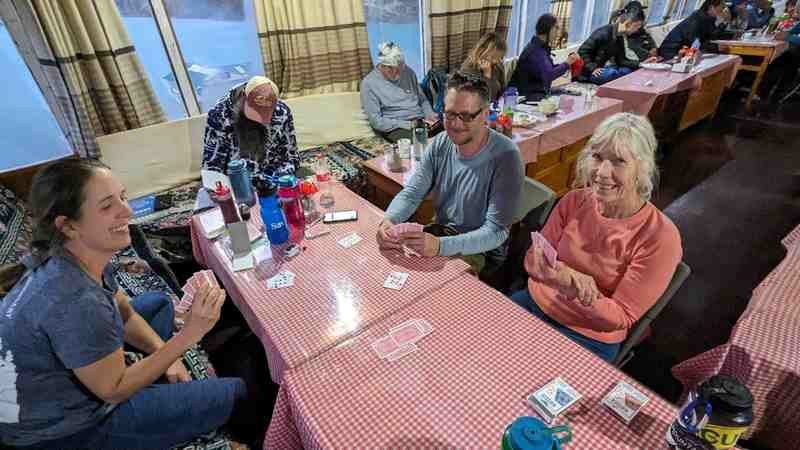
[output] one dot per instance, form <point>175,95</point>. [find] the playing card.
<point>384,346</point>
<point>625,401</point>
<point>408,227</point>
<point>425,326</point>
<point>189,289</point>
<point>395,280</point>
<point>317,230</point>
<point>194,282</point>
<point>282,280</point>
<point>407,333</point>
<point>184,304</point>
<point>550,253</point>
<point>401,352</point>
<point>349,240</point>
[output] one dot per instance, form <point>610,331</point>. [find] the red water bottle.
<point>222,196</point>
<point>289,199</point>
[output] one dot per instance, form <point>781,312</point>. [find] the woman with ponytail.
<point>63,323</point>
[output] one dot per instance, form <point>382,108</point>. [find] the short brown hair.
<point>463,81</point>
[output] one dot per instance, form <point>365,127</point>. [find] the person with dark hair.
<point>606,53</point>
<point>64,322</point>
<point>701,26</point>
<point>535,70</point>
<point>486,59</point>
<point>641,43</point>
<point>475,175</point>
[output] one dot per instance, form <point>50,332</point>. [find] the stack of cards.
<point>395,280</point>
<point>625,401</point>
<point>283,279</point>
<point>349,240</point>
<point>402,339</point>
<point>553,398</point>
<point>401,228</point>
<point>398,230</point>
<point>550,254</point>
<point>193,284</point>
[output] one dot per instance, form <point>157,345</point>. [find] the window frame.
<point>175,58</point>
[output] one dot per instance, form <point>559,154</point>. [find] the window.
<point>143,31</point>
<point>536,8</point>
<point>688,8</point>
<point>601,16</point>
<point>581,24</point>
<point>219,43</point>
<point>676,9</point>
<point>398,21</point>
<point>29,133</point>
<point>657,11</point>
<point>513,40</point>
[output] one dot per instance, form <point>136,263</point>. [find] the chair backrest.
<point>681,274</point>
<point>535,202</point>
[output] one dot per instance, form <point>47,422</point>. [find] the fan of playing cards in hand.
<point>397,231</point>
<point>538,240</point>
<point>193,284</point>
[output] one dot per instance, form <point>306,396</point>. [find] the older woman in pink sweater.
<point>616,251</point>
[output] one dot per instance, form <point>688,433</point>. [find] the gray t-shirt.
<point>393,104</point>
<point>477,196</point>
<point>54,320</point>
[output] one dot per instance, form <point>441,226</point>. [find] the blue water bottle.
<point>272,214</point>
<point>240,181</point>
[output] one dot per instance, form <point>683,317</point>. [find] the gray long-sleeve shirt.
<point>393,104</point>
<point>477,196</point>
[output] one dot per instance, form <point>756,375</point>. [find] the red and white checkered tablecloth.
<point>763,354</point>
<point>460,389</point>
<point>792,238</point>
<point>337,292</point>
<point>779,292</point>
<point>640,89</point>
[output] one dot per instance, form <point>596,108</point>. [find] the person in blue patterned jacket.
<point>251,123</point>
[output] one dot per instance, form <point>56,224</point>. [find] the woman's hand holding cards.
<point>205,311</point>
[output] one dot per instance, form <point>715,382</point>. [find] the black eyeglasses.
<point>465,117</point>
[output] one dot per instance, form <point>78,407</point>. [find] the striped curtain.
<point>313,46</point>
<point>90,66</point>
<point>456,25</point>
<point>562,9</point>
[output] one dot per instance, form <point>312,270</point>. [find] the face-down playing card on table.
<point>401,340</point>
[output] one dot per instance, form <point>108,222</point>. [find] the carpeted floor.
<point>732,187</point>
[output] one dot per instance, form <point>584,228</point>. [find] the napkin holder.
<point>684,65</point>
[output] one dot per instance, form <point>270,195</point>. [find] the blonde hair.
<point>488,42</point>
<point>621,132</point>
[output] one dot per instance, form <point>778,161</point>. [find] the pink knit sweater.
<point>631,260</point>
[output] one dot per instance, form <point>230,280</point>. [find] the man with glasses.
<point>392,98</point>
<point>475,176</point>
<point>250,123</point>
